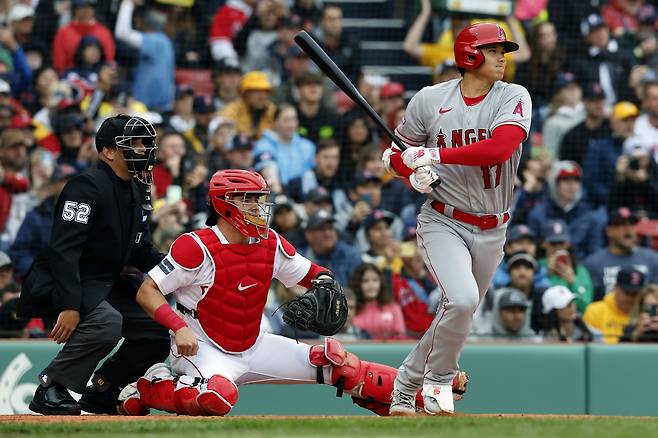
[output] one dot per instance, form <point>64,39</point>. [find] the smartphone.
<point>367,198</point>
<point>652,309</point>
<point>563,257</point>
<point>174,194</point>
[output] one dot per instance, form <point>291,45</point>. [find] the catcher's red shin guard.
<point>218,397</point>
<point>187,395</point>
<point>157,393</point>
<point>362,379</point>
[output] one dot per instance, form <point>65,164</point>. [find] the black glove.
<point>322,309</point>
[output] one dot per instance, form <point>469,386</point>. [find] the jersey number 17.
<point>491,182</point>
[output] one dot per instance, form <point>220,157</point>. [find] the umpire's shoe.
<point>97,402</point>
<point>54,400</point>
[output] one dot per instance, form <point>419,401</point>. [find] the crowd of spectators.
<point>226,87</point>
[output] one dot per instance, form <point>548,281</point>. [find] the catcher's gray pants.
<point>462,258</point>
<point>97,334</point>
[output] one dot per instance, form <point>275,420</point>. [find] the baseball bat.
<point>329,67</point>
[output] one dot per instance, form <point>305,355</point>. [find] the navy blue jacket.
<point>341,261</point>
<point>585,224</point>
<point>599,168</point>
<point>32,237</point>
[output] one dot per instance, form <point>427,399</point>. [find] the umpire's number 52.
<point>76,211</point>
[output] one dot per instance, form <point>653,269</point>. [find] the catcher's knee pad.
<point>130,403</point>
<point>156,388</point>
<point>360,378</point>
<point>218,396</point>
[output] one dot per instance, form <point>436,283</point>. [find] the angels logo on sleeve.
<point>518,109</point>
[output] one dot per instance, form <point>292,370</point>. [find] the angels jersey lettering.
<point>438,117</point>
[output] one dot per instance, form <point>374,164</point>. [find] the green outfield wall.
<point>505,378</point>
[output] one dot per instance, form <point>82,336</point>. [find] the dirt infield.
<point>42,419</point>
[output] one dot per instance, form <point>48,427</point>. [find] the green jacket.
<point>581,286</point>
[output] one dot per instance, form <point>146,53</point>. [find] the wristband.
<point>165,315</point>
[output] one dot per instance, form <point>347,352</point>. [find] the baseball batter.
<point>220,277</point>
<point>467,133</point>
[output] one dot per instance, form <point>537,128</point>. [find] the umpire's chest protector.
<point>230,311</point>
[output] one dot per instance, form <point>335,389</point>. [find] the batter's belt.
<point>484,222</point>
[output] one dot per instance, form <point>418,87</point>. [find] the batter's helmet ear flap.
<point>470,57</point>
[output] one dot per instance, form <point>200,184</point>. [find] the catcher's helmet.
<point>251,217</point>
<point>467,44</point>
<point>121,131</point>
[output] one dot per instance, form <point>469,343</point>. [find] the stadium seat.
<point>199,80</point>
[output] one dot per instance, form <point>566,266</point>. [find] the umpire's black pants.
<point>145,343</point>
<point>97,334</point>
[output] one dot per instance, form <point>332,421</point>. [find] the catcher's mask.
<point>135,138</point>
<point>241,197</point>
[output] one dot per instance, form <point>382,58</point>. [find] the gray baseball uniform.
<point>461,257</point>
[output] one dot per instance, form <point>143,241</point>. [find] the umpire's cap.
<point>110,129</point>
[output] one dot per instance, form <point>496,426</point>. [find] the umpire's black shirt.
<point>99,226</point>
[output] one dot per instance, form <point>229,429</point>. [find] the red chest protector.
<point>230,311</point>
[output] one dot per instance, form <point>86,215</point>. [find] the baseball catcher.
<point>220,278</point>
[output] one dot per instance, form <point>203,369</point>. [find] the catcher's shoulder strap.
<point>187,252</point>
<point>283,245</point>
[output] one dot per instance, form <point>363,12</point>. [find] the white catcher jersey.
<point>437,116</point>
<point>189,285</point>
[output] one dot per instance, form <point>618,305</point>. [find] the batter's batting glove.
<point>422,178</point>
<point>416,157</point>
<point>386,158</point>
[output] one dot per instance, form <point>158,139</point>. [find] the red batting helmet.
<point>467,44</point>
<point>229,194</point>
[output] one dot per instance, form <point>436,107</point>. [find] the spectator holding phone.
<point>636,178</point>
<point>563,267</point>
<point>363,197</point>
<point>643,324</point>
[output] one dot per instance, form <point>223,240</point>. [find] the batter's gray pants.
<point>462,259</point>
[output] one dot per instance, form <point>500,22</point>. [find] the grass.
<point>417,427</point>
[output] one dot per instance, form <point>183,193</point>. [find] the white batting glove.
<point>386,158</point>
<point>422,178</point>
<point>416,157</point>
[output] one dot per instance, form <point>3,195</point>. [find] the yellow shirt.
<point>607,318</point>
<point>239,113</point>
<point>433,54</point>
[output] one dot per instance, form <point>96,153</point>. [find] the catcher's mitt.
<point>322,309</point>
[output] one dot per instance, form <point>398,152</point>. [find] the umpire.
<point>99,227</point>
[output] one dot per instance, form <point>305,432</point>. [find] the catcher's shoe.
<point>402,404</point>
<point>94,401</point>
<point>438,399</point>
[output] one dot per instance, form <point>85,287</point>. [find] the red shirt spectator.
<point>409,295</point>
<point>381,322</point>
<point>68,37</point>
<point>226,23</point>
<point>13,157</point>
<point>621,15</point>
